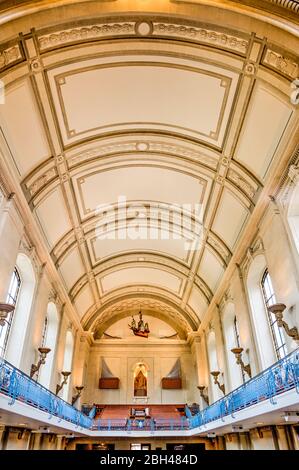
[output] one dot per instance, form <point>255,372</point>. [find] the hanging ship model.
<point>140,328</point>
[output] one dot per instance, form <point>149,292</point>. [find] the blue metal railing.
<point>280,377</point>
<point>157,424</point>
<point>19,386</point>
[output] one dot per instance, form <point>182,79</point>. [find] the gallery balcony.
<point>275,390</point>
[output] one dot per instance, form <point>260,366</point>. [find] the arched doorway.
<point>140,381</point>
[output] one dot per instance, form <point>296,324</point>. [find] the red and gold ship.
<point>141,329</point>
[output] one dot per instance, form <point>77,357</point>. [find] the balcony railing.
<point>19,386</point>
<point>277,379</point>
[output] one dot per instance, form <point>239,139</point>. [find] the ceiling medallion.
<point>142,146</point>
<point>144,28</point>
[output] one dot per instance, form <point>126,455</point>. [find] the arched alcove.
<point>140,386</point>
<point>22,311</point>
<point>49,341</point>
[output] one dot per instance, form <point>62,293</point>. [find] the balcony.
<point>264,391</point>
<point>20,388</point>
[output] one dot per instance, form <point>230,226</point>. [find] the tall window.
<point>12,297</point>
<point>269,298</point>
<point>44,334</point>
<point>48,340</point>
<point>237,340</point>
<point>236,331</point>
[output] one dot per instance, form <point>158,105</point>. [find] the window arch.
<point>49,338</point>
<point>269,299</point>
<point>12,297</point>
<point>20,320</point>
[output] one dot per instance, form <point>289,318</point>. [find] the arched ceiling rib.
<point>156,304</point>
<point>162,112</point>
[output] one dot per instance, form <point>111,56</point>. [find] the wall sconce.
<point>215,374</point>
<point>238,353</point>
<point>277,310</point>
<point>5,309</point>
<point>42,360</point>
<point>205,397</point>
<point>78,394</point>
<point>64,382</point>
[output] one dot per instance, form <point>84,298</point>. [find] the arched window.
<point>16,337</point>
<point>232,340</point>
<point>67,362</point>
<point>237,341</point>
<point>44,335</point>
<point>213,366</point>
<point>49,338</point>
<point>293,216</point>
<point>269,298</point>
<point>11,298</point>
<point>259,315</point>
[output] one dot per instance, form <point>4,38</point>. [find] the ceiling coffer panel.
<point>260,136</point>
<point>135,183</point>
<point>140,276</point>
<point>170,95</point>
<point>72,268</point>
<point>53,217</point>
<point>20,118</point>
<point>84,300</point>
<point>230,218</point>
<point>197,302</point>
<point>104,248</point>
<point>210,269</point>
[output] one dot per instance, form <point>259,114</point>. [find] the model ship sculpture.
<point>140,328</point>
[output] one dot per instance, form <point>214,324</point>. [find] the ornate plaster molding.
<point>281,63</point>
<point>10,56</point>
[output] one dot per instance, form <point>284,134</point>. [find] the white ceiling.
<point>200,121</point>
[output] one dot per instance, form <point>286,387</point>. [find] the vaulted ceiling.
<point>161,110</point>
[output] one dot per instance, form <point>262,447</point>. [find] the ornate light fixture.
<point>238,353</point>
<point>205,397</point>
<point>5,309</point>
<point>277,310</point>
<point>64,382</point>
<point>42,360</point>
<point>215,374</point>
<point>78,394</point>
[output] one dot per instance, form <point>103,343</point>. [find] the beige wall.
<point>17,442</point>
<point>159,359</point>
